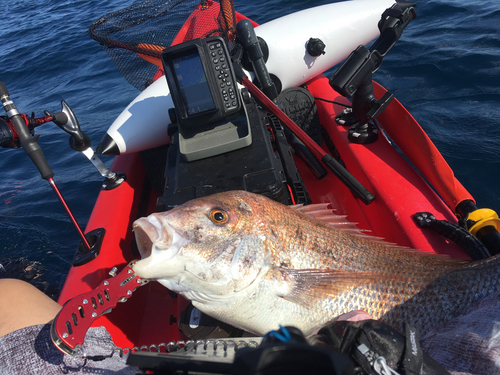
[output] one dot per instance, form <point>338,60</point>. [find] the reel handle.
<point>68,122</point>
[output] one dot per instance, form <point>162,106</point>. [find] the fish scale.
<point>267,264</point>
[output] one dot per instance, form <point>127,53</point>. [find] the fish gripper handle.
<point>71,324</point>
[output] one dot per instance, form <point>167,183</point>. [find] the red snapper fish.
<point>256,264</point>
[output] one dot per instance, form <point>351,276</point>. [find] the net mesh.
<point>136,36</point>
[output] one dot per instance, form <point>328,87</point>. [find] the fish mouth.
<point>149,233</point>
<point>159,245</point>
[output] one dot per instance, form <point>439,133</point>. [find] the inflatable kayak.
<point>356,147</point>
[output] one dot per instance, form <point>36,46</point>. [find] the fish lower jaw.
<point>156,267</point>
<point>178,285</point>
<point>174,286</point>
<point>190,294</point>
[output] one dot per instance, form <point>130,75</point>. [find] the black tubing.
<point>461,236</point>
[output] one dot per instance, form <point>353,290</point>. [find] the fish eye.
<point>219,216</point>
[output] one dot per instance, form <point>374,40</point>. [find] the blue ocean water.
<point>445,70</point>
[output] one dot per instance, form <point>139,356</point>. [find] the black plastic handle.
<point>28,142</point>
<point>3,90</point>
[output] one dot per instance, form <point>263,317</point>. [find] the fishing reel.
<point>8,134</point>
<point>66,120</point>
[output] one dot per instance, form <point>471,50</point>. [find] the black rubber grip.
<point>348,179</point>
<point>58,118</point>
<point>305,154</point>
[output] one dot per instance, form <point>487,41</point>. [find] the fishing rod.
<point>30,145</point>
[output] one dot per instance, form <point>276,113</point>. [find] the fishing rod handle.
<point>306,155</point>
<point>28,142</point>
<point>250,43</point>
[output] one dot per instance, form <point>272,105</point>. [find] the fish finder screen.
<point>193,84</point>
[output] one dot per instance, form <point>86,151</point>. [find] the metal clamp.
<point>71,324</point>
<point>377,362</point>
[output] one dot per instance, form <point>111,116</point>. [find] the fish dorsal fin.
<point>306,286</point>
<point>325,213</point>
<point>322,212</point>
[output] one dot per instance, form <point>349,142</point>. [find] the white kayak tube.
<point>142,125</point>
<point>342,27</point>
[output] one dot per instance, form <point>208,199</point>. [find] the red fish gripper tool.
<point>71,324</point>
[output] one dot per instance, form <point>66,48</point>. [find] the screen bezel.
<point>200,48</point>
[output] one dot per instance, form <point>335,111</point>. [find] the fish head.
<point>212,245</point>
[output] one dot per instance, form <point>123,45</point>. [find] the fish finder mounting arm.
<point>354,77</point>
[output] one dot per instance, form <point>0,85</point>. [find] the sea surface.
<point>445,69</point>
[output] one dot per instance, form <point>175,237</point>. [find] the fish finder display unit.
<point>208,108</point>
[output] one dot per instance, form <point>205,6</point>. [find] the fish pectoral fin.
<point>305,286</point>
